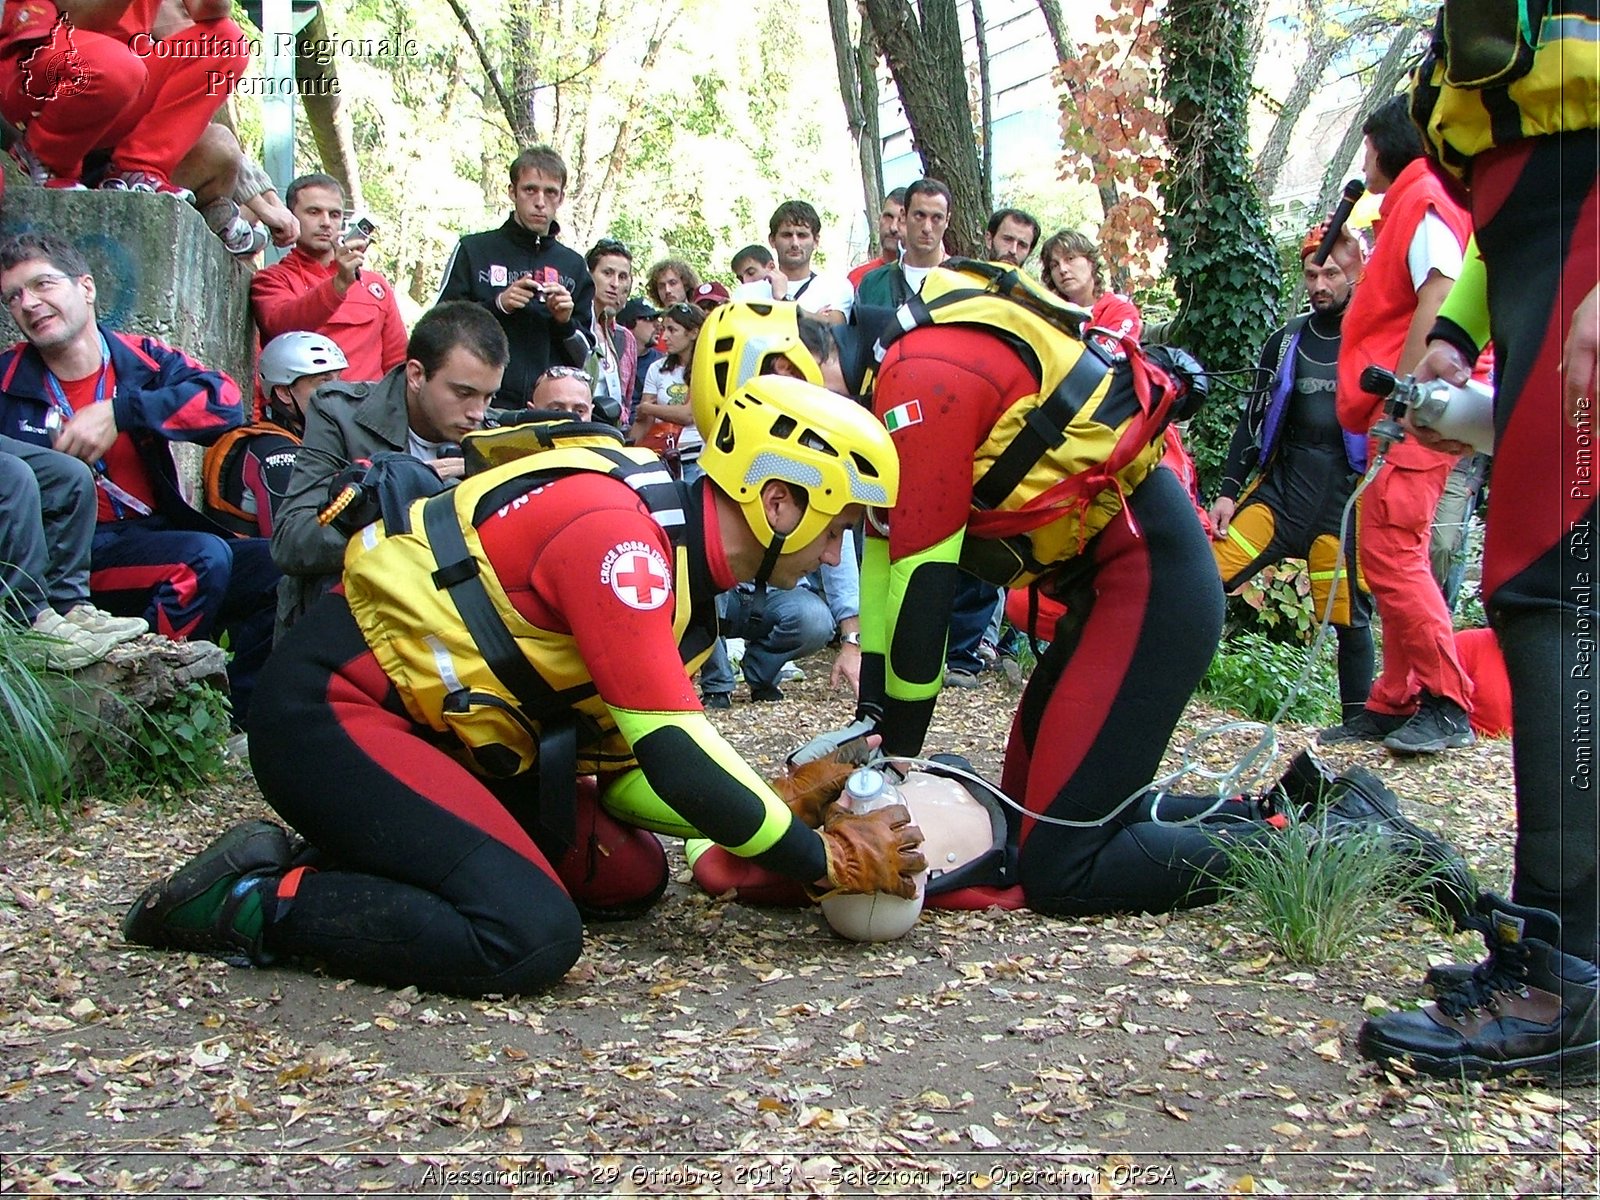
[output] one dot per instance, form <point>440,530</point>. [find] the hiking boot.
<point>957,678</point>
<point>1438,724</point>
<point>123,629</point>
<point>1446,977</point>
<point>143,181</point>
<point>1528,1006</point>
<point>1365,726</point>
<point>38,172</point>
<point>716,700</point>
<point>1358,799</point>
<point>214,903</point>
<point>63,646</point>
<point>1303,787</point>
<point>765,694</point>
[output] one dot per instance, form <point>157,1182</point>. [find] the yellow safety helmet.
<point>735,341</point>
<point>775,427</point>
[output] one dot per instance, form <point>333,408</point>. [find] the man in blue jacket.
<point>117,401</point>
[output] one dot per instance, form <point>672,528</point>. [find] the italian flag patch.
<point>909,413</point>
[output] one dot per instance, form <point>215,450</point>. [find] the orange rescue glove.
<point>808,789</point>
<point>873,852</point>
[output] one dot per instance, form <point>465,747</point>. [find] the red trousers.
<point>1419,649</point>
<point>145,101</point>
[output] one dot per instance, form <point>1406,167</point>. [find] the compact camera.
<point>1462,414</point>
<point>358,225</point>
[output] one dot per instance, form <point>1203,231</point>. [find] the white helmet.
<point>291,356</point>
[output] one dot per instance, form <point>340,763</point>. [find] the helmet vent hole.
<point>783,427</point>
<point>812,440</point>
<point>724,438</point>
<point>864,467</point>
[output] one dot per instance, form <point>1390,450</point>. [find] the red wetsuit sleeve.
<point>941,392</point>
<point>583,556</point>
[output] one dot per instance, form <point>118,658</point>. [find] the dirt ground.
<point>717,1049</point>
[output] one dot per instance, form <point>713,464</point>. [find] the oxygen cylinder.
<point>1463,414</point>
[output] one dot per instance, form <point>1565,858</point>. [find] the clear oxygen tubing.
<point>1247,774</point>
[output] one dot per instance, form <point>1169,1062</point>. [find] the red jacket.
<point>1374,328</point>
<point>298,294</point>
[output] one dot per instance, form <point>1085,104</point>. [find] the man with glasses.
<point>537,289</point>
<point>116,402</point>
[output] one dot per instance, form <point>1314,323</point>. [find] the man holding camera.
<point>324,286</point>
<point>424,407</point>
<point>539,290</point>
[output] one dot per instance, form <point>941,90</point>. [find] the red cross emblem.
<point>640,580</point>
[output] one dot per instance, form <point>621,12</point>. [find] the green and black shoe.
<point>214,904</point>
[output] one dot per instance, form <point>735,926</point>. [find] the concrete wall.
<point>157,268</point>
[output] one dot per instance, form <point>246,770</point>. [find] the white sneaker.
<point>790,674</point>
<point>64,646</point>
<point>96,620</point>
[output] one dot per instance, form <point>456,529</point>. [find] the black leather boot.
<point>1528,1006</point>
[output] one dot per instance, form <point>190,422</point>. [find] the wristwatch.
<point>850,639</point>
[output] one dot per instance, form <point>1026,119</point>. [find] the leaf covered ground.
<point>717,1049</point>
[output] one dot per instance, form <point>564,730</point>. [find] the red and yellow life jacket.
<point>1058,463</point>
<point>463,660</point>
<point>1498,71</point>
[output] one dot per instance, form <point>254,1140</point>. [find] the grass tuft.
<point>1315,895</point>
<point>36,724</point>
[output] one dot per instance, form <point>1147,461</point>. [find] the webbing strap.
<point>558,745</point>
<point>1043,430</point>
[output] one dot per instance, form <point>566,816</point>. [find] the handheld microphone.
<point>1353,191</point>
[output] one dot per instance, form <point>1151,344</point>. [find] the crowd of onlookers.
<point>340,377</point>
<point>85,409</point>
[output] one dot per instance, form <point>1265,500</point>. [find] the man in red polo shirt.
<point>324,286</point>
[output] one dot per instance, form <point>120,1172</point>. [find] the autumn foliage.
<point>1112,127</point>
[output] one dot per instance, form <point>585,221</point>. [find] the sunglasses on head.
<point>565,373</point>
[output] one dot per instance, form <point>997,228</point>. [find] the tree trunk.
<point>871,135</point>
<point>1391,69</point>
<point>508,108</point>
<point>855,116</point>
<point>605,194</point>
<point>1220,254</point>
<point>1319,53</point>
<point>926,62</point>
<point>325,110</point>
<point>1051,10</point>
<point>980,39</point>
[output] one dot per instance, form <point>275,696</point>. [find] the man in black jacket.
<point>539,290</point>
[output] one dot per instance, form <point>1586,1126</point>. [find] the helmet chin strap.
<point>769,560</point>
<point>282,414</point>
